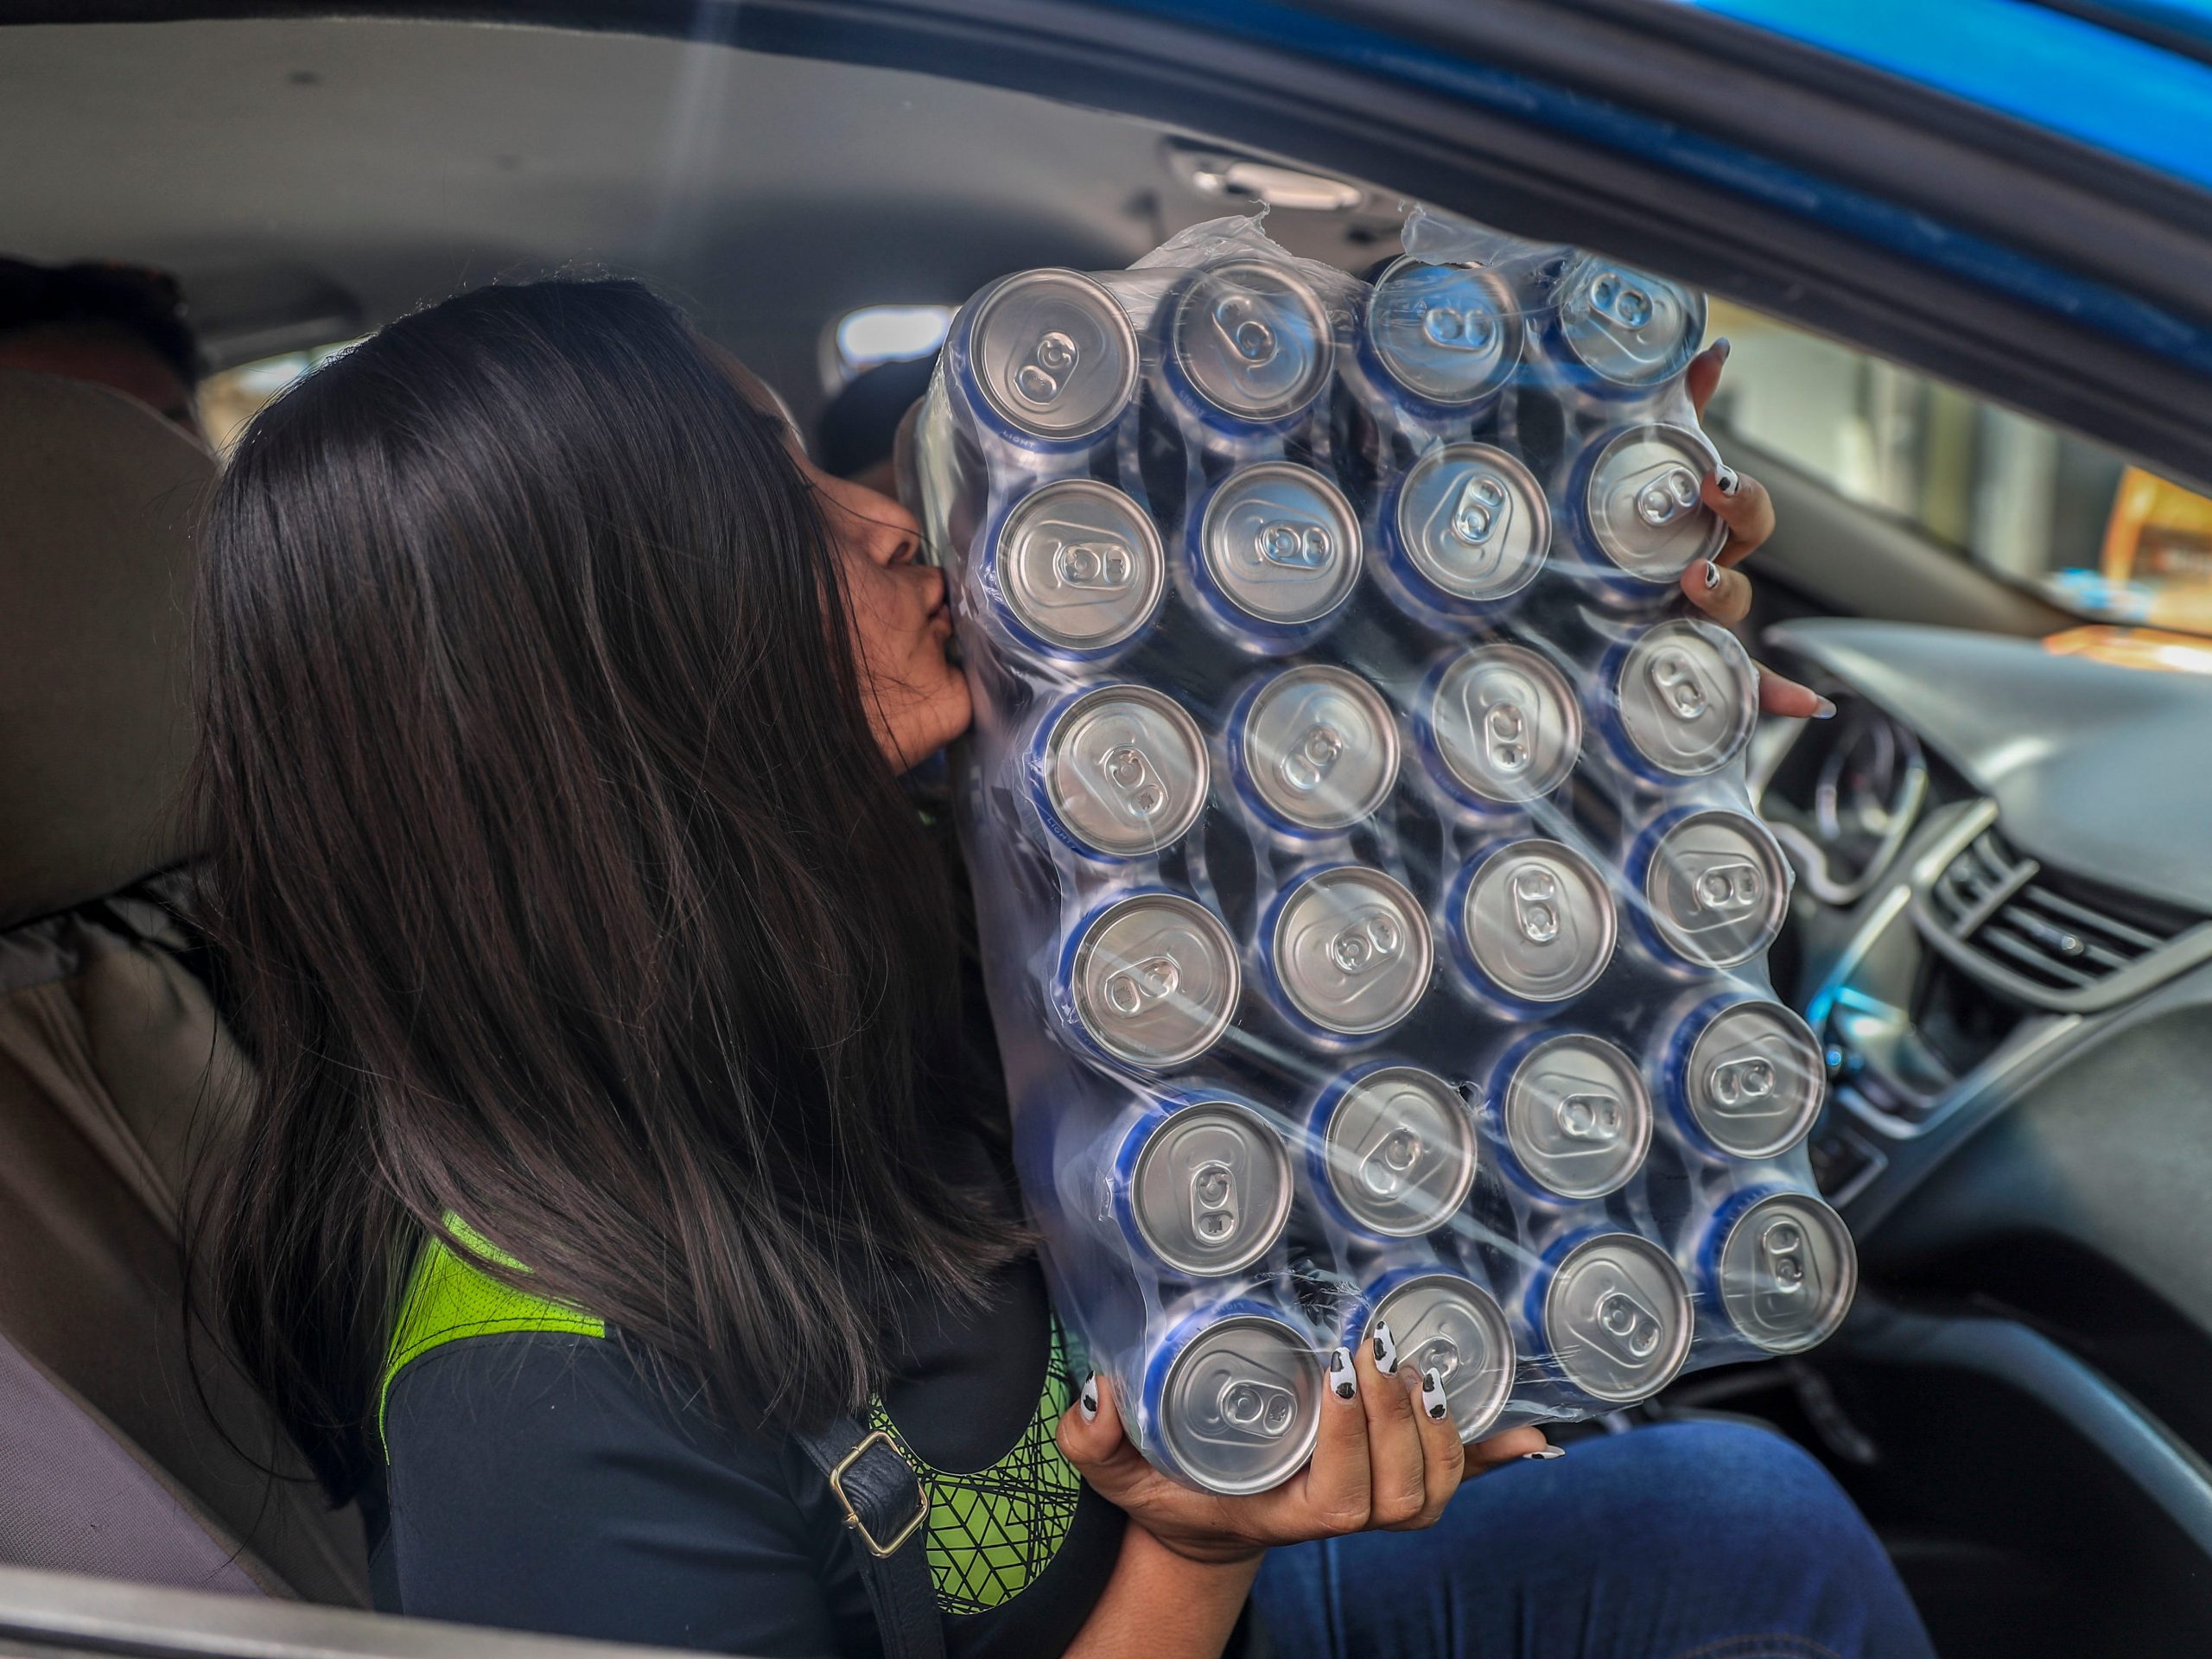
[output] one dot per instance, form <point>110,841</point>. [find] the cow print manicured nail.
<point>1386,1349</point>
<point>1088,1398</point>
<point>1725,478</point>
<point>1544,1456</point>
<point>1711,575</point>
<point>1343,1380</point>
<point>1432,1395</point>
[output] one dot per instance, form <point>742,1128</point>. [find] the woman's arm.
<point>1163,1606</point>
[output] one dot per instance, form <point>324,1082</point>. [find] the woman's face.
<point>918,700</point>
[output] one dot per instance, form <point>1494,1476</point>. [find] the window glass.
<point>231,397</point>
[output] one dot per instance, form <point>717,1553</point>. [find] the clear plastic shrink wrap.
<point>1374,914</point>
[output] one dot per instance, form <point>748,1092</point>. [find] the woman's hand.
<point>1715,585</point>
<point>1388,1456</point>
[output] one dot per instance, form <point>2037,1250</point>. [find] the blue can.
<point>1149,978</point>
<point>1439,342</point>
<point>1531,924</point>
<point>1246,346</point>
<point>1390,1150</point>
<point>1117,773</point>
<point>1708,889</point>
<point>1634,496</point>
<point>1345,951</point>
<point>1232,1397</point>
<point>1044,361</point>
<point>1074,571</point>
<point>1677,701</point>
<point>1568,1115</point>
<point>1615,333</point>
<point>1779,1266</point>
<point>1609,1317</point>
<point>1743,1077</point>
<point>1443,1322</point>
<point>1274,553</point>
<point>1497,728</point>
<point>1200,1185</point>
<point>1464,532</point>
<point>1312,750</point>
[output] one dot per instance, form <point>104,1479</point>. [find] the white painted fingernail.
<point>1344,1376</point>
<point>1544,1456</point>
<point>1386,1349</point>
<point>1711,575</point>
<point>1721,348</point>
<point>1089,1398</point>
<point>1432,1395</point>
<point>1725,478</point>
<point>1823,709</point>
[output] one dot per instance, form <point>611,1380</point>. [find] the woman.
<point>613,1126</point>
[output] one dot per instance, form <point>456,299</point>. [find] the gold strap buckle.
<point>852,1516</point>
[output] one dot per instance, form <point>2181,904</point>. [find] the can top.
<point>1506,726</point>
<point>1239,1409</point>
<point>1154,979</point>
<point>1688,696</point>
<point>1320,746</point>
<point>1617,1318</point>
<point>1473,521</point>
<point>1252,340</point>
<point>1210,1190</point>
<point>1538,919</point>
<point>1399,1148</point>
<point>1753,1080</point>
<point>1079,564</point>
<point>1577,1115</point>
<point>1445,333</point>
<point>1788,1272</point>
<point>1054,355</point>
<point>1124,769</point>
<point>1643,504</point>
<point>1281,542</point>
<point>1626,326</point>
<point>1717,887</point>
<point>1351,950</point>
<point>1451,1325</point>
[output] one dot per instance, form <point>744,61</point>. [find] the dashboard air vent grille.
<point>2050,930</point>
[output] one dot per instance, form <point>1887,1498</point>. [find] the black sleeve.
<point>539,1482</point>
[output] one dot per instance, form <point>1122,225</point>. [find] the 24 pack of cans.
<point>1373,913</point>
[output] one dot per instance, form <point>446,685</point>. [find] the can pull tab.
<point>1388,1168</point>
<point>1132,990</point>
<point>1535,905</point>
<point>1293,546</point>
<point>1743,1085</point>
<point>1458,329</point>
<point>1590,1115</point>
<point>1666,496</point>
<point>1213,1202</point>
<point>1243,323</point>
<point>1310,760</point>
<point>1131,776</point>
<point>1626,1328</point>
<point>1675,676</point>
<point>1727,887</point>
<point>1105,566</point>
<point>1262,1410</point>
<point>1484,510</point>
<point>1040,381</point>
<point>1372,939</point>
<point>1439,1354</point>
<point>1510,729</point>
<point>1783,1266</point>
<point>1619,301</point>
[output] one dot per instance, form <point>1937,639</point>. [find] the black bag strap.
<point>888,1510</point>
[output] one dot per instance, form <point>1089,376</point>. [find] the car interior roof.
<point>310,179</point>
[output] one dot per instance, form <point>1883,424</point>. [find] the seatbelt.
<point>888,1509</point>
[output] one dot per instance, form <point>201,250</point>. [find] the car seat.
<point>126,1447</point>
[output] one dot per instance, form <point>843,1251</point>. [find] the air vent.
<point>2075,944</point>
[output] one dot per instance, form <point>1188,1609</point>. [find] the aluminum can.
<point>1231,1398</point>
<point>1779,1267</point>
<point>1531,924</point>
<point>1346,950</point>
<point>1440,339</point>
<point>1464,529</point>
<point>1448,1323</point>
<point>1743,1077</point>
<point>1570,1114</point>
<point>1201,1184</point>
<point>1314,750</point>
<point>1247,347</point>
<point>1712,885</point>
<point>1618,332</point>
<point>1497,728</point>
<point>1635,491</point>
<point>1045,359</point>
<point>1390,1150</point>
<point>1275,554</point>
<point>1149,979</point>
<point>1118,771</point>
<point>1678,700</point>
<point>1611,1316</point>
<point>1076,569</point>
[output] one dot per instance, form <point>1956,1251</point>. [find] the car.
<point>1964,253</point>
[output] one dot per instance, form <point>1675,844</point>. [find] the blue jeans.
<point>1684,1541</point>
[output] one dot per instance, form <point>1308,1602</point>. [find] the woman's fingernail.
<point>1711,575</point>
<point>1343,1380</point>
<point>1386,1349</point>
<point>1432,1395</point>
<point>1089,1398</point>
<point>1725,481</point>
<point>1823,709</point>
<point>1544,1456</point>
<point>1721,348</point>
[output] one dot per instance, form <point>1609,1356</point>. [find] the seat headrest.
<point>98,496</point>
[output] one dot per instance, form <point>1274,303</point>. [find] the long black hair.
<point>566,890</point>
